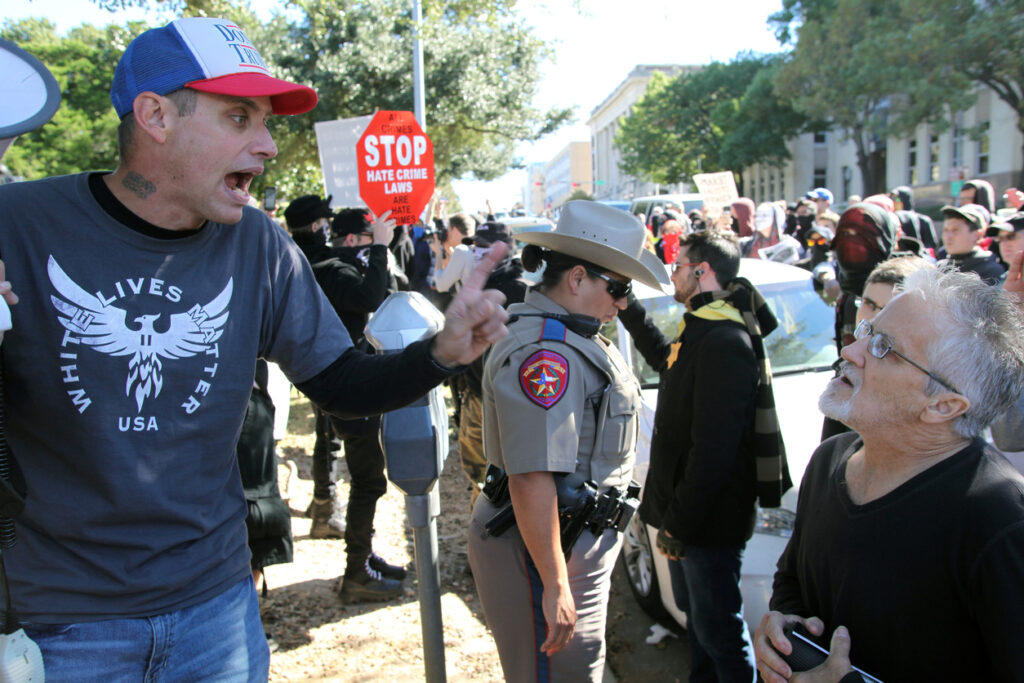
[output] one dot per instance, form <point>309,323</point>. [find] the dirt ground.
<point>318,638</point>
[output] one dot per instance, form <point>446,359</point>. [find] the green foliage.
<point>481,73</point>
<point>854,67</point>
<point>723,117</point>
<point>81,134</point>
<point>580,193</point>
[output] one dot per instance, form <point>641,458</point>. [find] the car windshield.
<point>803,341</point>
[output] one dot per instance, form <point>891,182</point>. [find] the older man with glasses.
<point>908,548</point>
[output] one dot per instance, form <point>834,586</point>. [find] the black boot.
<point>388,571</point>
<point>364,584</point>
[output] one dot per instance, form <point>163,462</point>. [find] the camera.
<point>431,232</point>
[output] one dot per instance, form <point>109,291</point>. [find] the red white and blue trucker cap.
<point>202,53</point>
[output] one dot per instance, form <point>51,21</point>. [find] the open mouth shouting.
<point>238,183</point>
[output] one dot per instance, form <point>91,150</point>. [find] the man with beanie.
<point>144,297</point>
<point>308,219</point>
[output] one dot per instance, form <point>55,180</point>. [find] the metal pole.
<point>417,66</point>
<point>423,511</point>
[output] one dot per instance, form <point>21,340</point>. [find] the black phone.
<point>807,654</point>
<point>269,198</point>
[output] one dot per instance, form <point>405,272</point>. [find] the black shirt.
<point>929,578</point>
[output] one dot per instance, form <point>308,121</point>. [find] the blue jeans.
<point>706,584</point>
<point>221,639</point>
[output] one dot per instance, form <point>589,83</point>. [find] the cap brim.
<point>286,98</point>
<point>955,212</point>
<point>648,269</point>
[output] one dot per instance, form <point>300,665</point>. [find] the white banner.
<point>337,141</point>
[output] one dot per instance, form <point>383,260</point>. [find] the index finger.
<point>477,280</point>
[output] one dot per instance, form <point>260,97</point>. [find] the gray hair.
<point>981,353</point>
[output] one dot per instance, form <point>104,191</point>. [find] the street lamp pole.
<point>419,107</point>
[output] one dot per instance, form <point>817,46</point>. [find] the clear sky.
<point>596,44</point>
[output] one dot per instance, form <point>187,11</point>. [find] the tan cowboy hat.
<point>605,236</point>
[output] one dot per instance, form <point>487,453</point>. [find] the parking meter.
<point>415,444</point>
<point>414,438</point>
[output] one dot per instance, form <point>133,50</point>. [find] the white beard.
<point>832,405</point>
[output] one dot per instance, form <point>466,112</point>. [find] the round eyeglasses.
<point>880,344</point>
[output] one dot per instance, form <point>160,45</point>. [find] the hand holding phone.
<point>807,654</point>
<point>269,198</point>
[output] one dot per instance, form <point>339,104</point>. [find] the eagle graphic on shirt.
<point>105,329</point>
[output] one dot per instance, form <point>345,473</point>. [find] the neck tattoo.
<point>137,185</point>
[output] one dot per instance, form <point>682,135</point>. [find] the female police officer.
<point>560,410</point>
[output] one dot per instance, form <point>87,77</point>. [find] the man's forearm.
<point>359,384</point>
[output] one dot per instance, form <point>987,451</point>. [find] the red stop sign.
<point>396,166</point>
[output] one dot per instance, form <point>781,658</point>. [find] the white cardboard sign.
<point>337,141</point>
<point>717,189</point>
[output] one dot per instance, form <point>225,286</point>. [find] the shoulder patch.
<point>543,377</point>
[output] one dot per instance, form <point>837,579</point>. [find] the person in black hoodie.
<point>977,191</point>
<point>913,224</point>
<point>354,276</point>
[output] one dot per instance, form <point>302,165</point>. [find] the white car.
<point>801,351</point>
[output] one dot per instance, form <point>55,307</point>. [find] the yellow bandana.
<point>716,310</point>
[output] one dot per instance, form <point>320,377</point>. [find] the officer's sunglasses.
<point>880,344</point>
<point>616,288</point>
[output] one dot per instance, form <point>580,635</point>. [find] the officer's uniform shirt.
<point>556,401</point>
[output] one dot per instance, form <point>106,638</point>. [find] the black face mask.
<point>790,223</point>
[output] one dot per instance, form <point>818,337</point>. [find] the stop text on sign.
<point>396,166</point>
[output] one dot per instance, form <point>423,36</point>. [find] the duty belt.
<point>580,507</point>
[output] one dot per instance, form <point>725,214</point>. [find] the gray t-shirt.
<point>126,375</point>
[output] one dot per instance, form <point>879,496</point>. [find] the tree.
<point>481,73</point>
<point>81,134</point>
<point>723,117</point>
<point>481,67</point>
<point>854,67</point>
<point>758,125</point>
<point>978,41</point>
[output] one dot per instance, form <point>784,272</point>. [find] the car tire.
<point>638,563</point>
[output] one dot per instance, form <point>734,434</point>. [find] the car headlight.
<point>775,522</point>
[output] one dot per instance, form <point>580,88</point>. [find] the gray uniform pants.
<point>510,593</point>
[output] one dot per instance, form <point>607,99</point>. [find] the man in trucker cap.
<point>146,296</point>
